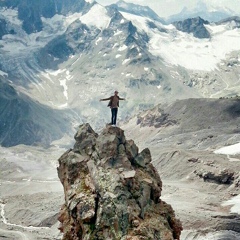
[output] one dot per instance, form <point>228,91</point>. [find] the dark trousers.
<point>114,115</point>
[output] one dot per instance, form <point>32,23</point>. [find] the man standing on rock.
<point>114,105</point>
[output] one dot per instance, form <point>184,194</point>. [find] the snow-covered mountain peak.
<point>122,3</point>
<point>231,23</point>
<point>183,49</point>
<point>205,10</point>
<point>136,9</point>
<point>97,16</point>
<point>81,54</point>
<point>210,7</point>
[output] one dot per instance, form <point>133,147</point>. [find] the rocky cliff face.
<point>31,12</point>
<point>3,30</point>
<point>112,191</point>
<point>194,26</point>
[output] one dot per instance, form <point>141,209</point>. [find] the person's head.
<point>116,92</point>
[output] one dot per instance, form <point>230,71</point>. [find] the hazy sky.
<point>165,8</point>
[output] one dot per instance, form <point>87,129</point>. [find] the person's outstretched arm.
<point>122,98</point>
<point>105,99</point>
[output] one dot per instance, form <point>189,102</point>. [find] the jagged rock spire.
<point>112,191</point>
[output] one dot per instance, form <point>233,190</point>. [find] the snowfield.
<point>179,48</point>
<point>229,150</point>
<point>175,47</point>
<point>97,17</point>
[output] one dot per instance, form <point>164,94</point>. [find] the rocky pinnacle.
<point>112,191</point>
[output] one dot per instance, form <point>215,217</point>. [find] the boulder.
<point>223,176</point>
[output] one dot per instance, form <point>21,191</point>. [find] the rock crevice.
<point>112,191</point>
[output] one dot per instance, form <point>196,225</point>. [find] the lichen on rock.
<point>112,191</point>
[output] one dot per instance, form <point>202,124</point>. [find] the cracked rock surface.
<point>112,191</point>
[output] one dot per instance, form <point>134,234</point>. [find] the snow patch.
<point>97,16</point>
<point>235,202</point>
<point>21,41</point>
<point>11,15</point>
<point>63,83</point>
<point>122,48</point>
<point>118,55</point>
<point>115,45</point>
<point>229,150</point>
<point>3,73</point>
<point>117,33</point>
<point>98,40</point>
<point>55,73</point>
<point>125,61</point>
<point>69,76</point>
<point>146,69</point>
<point>139,22</point>
<point>63,78</point>
<point>57,22</point>
<point>63,106</point>
<point>46,75</point>
<point>72,18</point>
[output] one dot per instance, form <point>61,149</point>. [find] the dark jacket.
<point>111,99</point>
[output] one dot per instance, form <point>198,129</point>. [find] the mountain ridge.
<point>31,14</point>
<point>132,8</point>
<point>209,13</point>
<point>80,57</point>
<point>24,121</point>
